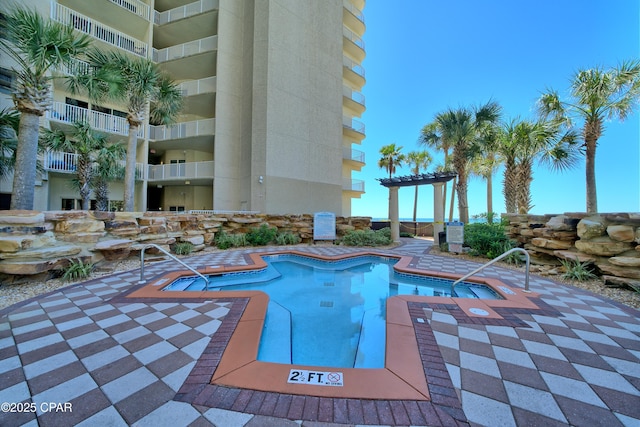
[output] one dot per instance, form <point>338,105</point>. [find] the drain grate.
<point>326,303</point>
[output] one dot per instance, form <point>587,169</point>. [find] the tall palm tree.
<point>392,158</point>
<point>38,46</point>
<point>140,84</point>
<point>84,141</point>
<point>431,136</point>
<point>108,167</point>
<point>596,95</point>
<point>463,127</point>
<point>9,122</point>
<point>418,160</point>
<point>512,133</point>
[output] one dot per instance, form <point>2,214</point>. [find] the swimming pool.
<point>329,313</point>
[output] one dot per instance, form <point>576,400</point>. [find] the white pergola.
<point>437,179</point>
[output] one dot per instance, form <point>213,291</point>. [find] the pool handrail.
<point>161,249</point>
<point>507,253</point>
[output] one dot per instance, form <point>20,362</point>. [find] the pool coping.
<point>404,373</point>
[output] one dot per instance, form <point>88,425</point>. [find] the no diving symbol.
<point>334,377</point>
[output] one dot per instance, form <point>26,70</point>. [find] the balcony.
<point>353,72</point>
<point>183,130</point>
<point>180,172</point>
<point>353,128</point>
<point>208,44</point>
<point>65,113</point>
<point>353,155</point>
<point>67,163</point>
<point>353,44</point>
<point>353,100</point>
<point>353,185</point>
<point>198,87</point>
<point>97,30</point>
<point>353,17</point>
<point>178,13</point>
<point>134,6</point>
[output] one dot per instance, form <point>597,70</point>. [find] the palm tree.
<point>9,121</point>
<point>108,167</point>
<point>84,141</point>
<point>431,136</point>
<point>511,135</point>
<point>418,160</point>
<point>485,166</point>
<point>391,158</point>
<point>141,84</point>
<point>38,46</point>
<point>596,95</point>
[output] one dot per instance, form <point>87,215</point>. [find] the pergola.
<point>437,179</point>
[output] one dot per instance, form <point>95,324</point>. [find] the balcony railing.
<point>66,113</point>
<point>356,68</point>
<point>96,29</point>
<point>134,6</point>
<point>183,130</point>
<point>196,87</point>
<point>195,47</point>
<point>353,124</point>
<point>190,170</point>
<point>353,185</point>
<point>353,154</point>
<point>185,11</point>
<point>58,161</point>
<point>353,95</point>
<point>350,35</point>
<point>354,10</point>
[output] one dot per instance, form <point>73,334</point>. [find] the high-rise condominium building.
<point>272,92</point>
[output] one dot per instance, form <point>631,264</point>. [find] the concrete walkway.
<point>74,357</point>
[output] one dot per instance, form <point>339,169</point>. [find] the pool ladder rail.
<point>173,257</point>
<point>507,253</point>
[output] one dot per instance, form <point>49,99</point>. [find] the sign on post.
<point>324,226</point>
<point>455,236</point>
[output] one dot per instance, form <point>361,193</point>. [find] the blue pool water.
<point>329,313</point>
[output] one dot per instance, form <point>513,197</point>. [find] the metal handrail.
<point>151,245</point>
<point>510,251</point>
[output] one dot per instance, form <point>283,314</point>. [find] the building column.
<point>393,214</point>
<point>438,211</point>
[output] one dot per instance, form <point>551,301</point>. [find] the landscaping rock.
<point>621,233</point>
<point>602,246</point>
<point>625,261</point>
<point>550,243</point>
<point>590,228</point>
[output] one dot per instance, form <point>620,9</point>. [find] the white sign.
<point>324,226</point>
<point>300,376</point>
<point>455,232</point>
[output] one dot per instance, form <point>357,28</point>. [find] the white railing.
<point>353,124</point>
<point>195,47</point>
<point>353,95</point>
<point>57,161</point>
<point>353,66</point>
<point>185,11</point>
<point>350,35</point>
<point>353,185</point>
<point>99,31</point>
<point>353,154</point>
<point>134,6</point>
<point>99,121</point>
<point>354,10</point>
<point>76,67</point>
<point>221,212</point>
<point>189,170</point>
<point>196,87</point>
<point>183,130</point>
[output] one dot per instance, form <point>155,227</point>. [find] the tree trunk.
<point>453,198</point>
<point>590,163</point>
<point>130,168</point>
<point>415,204</point>
<point>463,206</point>
<point>490,198</point>
<point>510,188</point>
<point>84,177</point>
<point>24,175</point>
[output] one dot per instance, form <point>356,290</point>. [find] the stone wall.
<point>33,242</point>
<point>610,241</point>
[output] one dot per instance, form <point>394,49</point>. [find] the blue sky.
<point>424,56</point>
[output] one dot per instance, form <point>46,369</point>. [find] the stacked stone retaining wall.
<point>610,241</point>
<point>33,242</point>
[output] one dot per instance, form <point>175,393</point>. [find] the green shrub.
<point>182,248</point>
<point>262,235</point>
<point>224,240</point>
<point>576,270</point>
<point>486,240</point>
<point>287,238</point>
<point>367,237</point>
<point>77,270</point>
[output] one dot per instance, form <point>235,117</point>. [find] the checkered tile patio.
<point>574,362</point>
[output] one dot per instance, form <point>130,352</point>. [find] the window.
<point>176,208</point>
<point>7,78</point>
<point>177,167</point>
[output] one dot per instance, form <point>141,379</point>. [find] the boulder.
<point>25,241</point>
<point>621,233</point>
<point>81,237</point>
<point>21,218</point>
<point>29,268</point>
<point>618,271</point>
<point>591,227</point>
<point>602,246</point>
<point>49,252</point>
<point>561,223</point>
<point>620,282</point>
<point>574,256</point>
<point>550,243</point>
<point>194,240</point>
<point>625,261</point>
<point>114,250</point>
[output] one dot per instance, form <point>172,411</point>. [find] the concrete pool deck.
<point>575,360</point>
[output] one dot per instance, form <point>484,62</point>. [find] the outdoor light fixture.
<point>260,179</point>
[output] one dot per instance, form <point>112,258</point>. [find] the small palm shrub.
<point>225,241</point>
<point>182,248</point>
<point>77,270</point>
<point>486,240</point>
<point>262,235</point>
<point>576,270</point>
<point>287,238</point>
<point>367,237</point>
